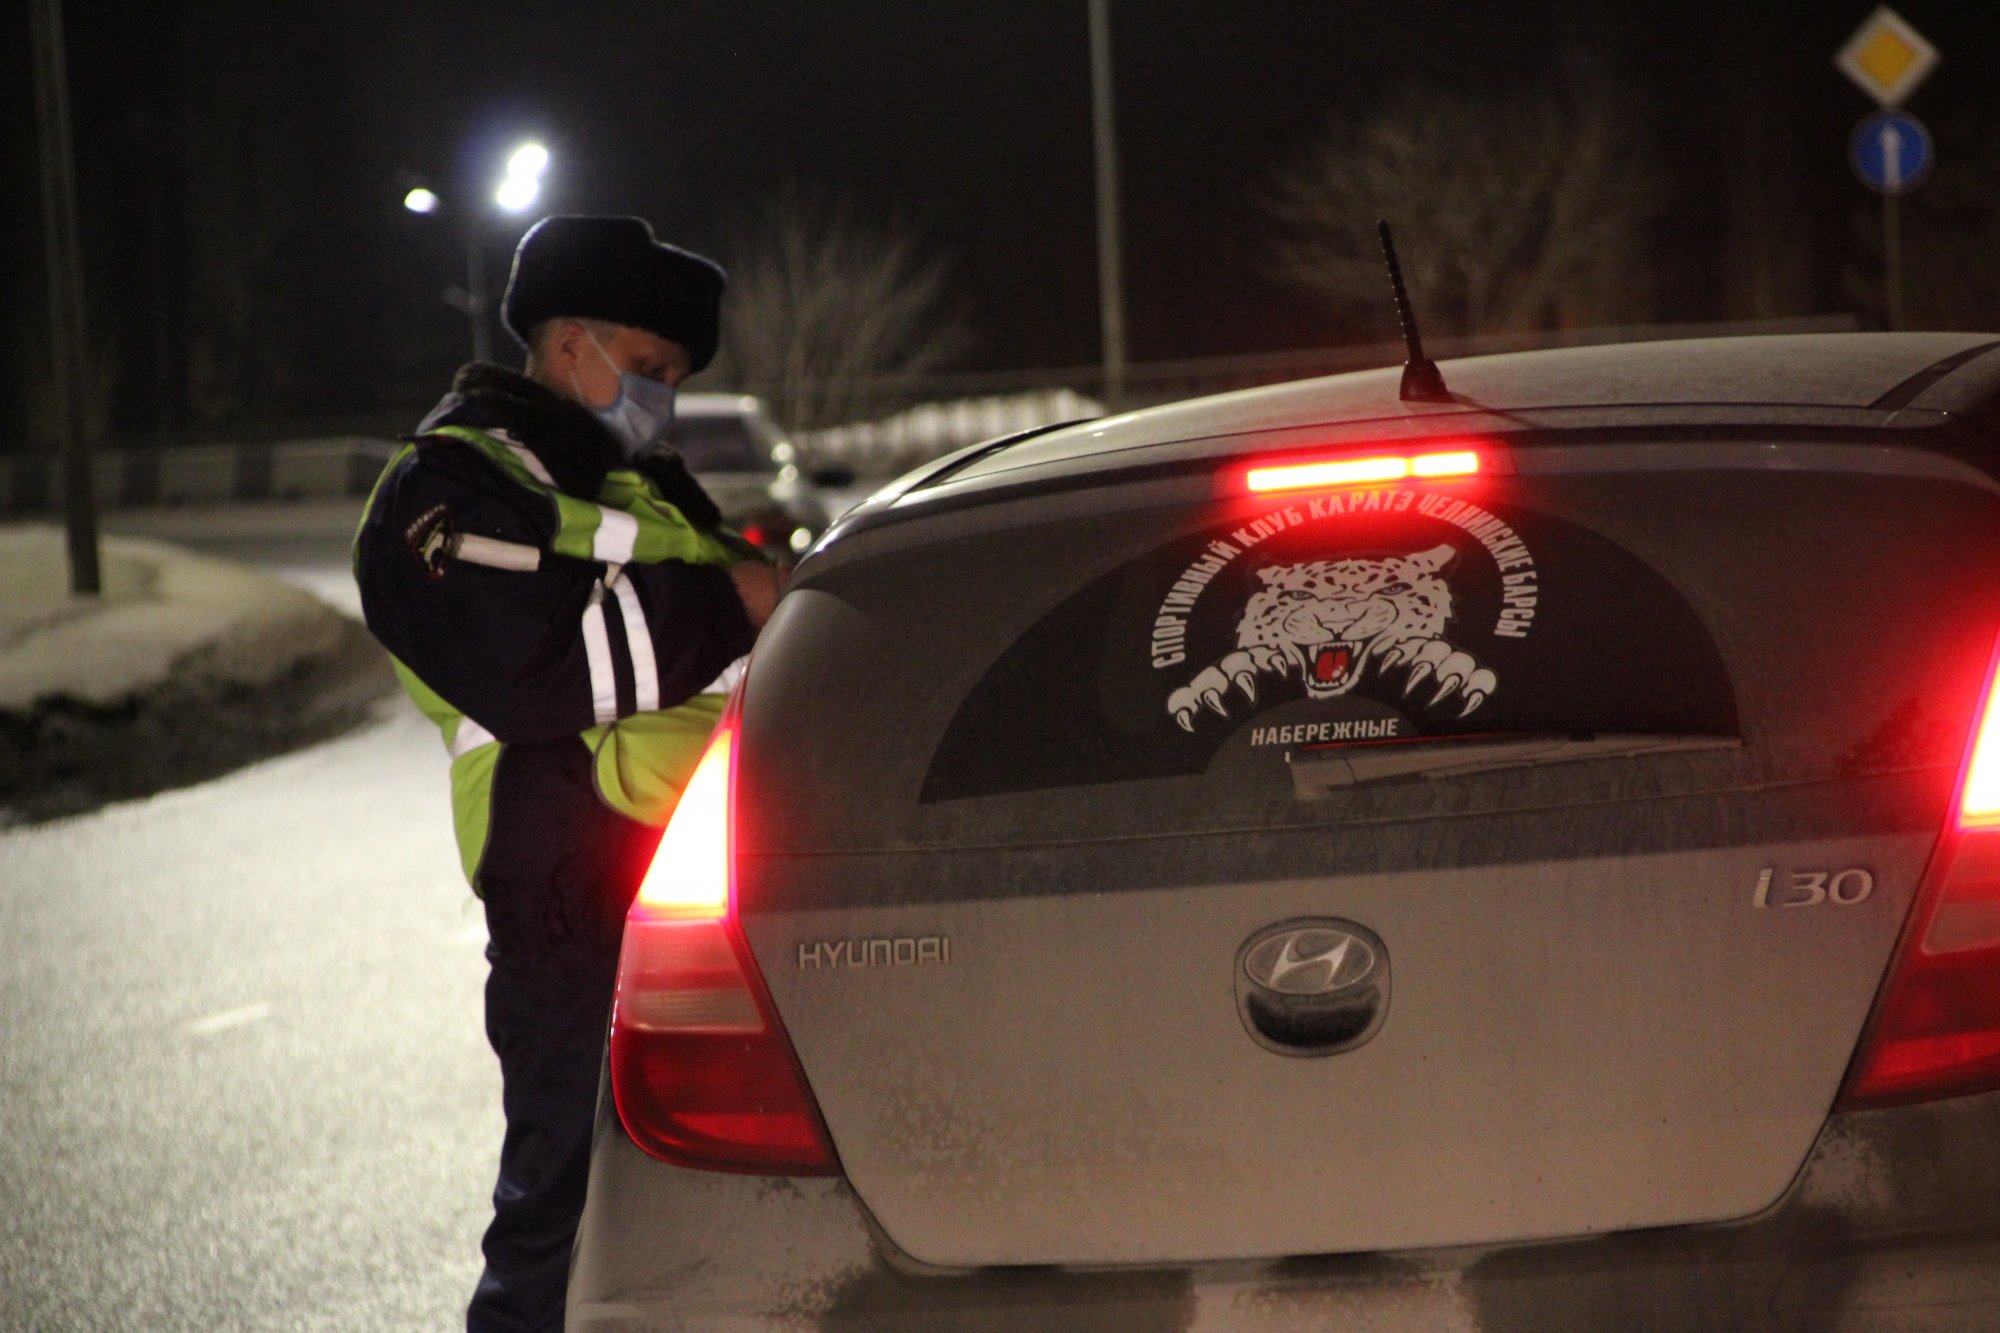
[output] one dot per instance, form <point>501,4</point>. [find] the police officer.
<point>560,597</point>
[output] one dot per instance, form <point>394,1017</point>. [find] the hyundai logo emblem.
<point>1312,987</point>
<point>1310,960</point>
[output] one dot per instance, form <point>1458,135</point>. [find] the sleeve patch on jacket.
<point>428,537</point>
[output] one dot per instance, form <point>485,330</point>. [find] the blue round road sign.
<point>1891,151</point>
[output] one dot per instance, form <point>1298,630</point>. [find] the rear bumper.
<point>1893,1223</point>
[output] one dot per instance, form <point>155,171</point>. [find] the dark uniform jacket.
<point>579,683</point>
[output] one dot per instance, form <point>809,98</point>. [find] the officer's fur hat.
<point>612,269</point>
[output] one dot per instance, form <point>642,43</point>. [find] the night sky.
<point>283,138</point>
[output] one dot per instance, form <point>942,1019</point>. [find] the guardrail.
<point>903,423</point>
<point>203,474</point>
<point>912,437</point>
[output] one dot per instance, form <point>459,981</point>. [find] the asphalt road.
<point>243,1079</point>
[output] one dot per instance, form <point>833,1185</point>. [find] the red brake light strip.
<point>1321,474</point>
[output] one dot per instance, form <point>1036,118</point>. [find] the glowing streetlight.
<point>529,160</point>
<point>523,183</point>
<point>516,194</point>
<point>421,200</point>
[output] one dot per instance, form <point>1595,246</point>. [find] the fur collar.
<point>570,442</point>
<point>566,436</point>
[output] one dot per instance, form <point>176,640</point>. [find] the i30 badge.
<point>1316,986</point>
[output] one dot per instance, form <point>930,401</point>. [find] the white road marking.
<point>229,1018</point>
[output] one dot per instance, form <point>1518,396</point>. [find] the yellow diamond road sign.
<point>1887,57</point>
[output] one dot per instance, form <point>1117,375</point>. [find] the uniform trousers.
<point>555,909</point>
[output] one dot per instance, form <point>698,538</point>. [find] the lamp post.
<point>1110,252</point>
<point>63,252</point>
<point>515,192</point>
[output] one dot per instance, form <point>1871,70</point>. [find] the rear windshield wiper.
<point>1322,769</point>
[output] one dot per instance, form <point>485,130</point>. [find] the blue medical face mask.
<point>642,415</point>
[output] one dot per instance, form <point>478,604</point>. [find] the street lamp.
<point>515,192</point>
<point>1110,249</point>
<point>528,162</point>
<point>519,188</point>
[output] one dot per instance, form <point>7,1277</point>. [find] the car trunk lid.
<point>1093,953</point>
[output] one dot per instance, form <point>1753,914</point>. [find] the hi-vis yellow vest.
<point>641,762</point>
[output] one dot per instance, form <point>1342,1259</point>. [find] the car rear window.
<point>1364,618</point>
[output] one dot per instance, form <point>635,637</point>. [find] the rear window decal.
<point>1510,555</point>
<point>1361,617</point>
<point>1331,623</point>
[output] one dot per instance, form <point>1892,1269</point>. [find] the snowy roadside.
<point>186,667</point>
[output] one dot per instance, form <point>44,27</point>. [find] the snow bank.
<point>166,615</point>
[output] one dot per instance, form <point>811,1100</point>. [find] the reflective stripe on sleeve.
<point>597,648</point>
<point>525,456</point>
<point>469,737</point>
<point>726,682</point>
<point>494,554</point>
<point>617,533</point>
<point>639,638</point>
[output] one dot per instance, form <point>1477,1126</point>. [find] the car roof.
<point>1841,379</point>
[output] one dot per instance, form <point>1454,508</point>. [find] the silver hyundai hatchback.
<point>1308,858</point>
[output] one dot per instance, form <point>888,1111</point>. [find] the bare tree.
<point>1522,214</point>
<point>829,315</point>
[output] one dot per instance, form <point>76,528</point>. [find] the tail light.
<point>1936,1027</point>
<point>701,1070</point>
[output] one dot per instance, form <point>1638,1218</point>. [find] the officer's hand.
<point>758,584</point>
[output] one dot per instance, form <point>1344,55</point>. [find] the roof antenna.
<point>1422,383</point>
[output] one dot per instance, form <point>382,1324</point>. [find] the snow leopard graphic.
<point>1328,622</point>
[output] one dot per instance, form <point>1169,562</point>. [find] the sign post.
<point>1891,150</point>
